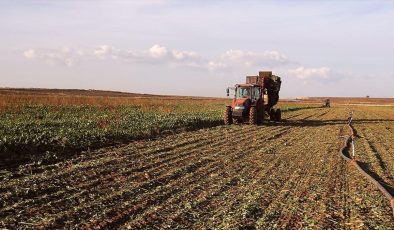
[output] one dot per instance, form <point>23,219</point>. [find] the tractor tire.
<point>272,114</point>
<point>253,116</point>
<point>278,115</point>
<point>227,117</point>
<point>260,116</point>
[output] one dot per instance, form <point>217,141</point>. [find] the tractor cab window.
<point>243,92</point>
<point>256,93</point>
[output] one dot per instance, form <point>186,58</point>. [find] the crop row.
<point>37,129</point>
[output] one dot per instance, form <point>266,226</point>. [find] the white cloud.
<point>212,66</point>
<point>64,56</point>
<point>161,55</point>
<point>275,55</point>
<point>68,62</point>
<point>29,54</point>
<point>66,50</point>
<point>156,54</point>
<point>103,51</point>
<point>182,55</point>
<point>157,51</point>
<point>249,58</point>
<point>311,73</point>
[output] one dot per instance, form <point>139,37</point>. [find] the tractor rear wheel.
<point>272,114</point>
<point>253,116</point>
<point>227,117</point>
<point>260,116</point>
<point>278,115</point>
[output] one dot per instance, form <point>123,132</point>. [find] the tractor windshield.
<point>248,92</point>
<point>243,92</point>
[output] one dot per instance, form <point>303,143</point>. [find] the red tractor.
<point>254,100</point>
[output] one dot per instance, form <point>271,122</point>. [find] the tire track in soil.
<point>372,156</point>
<point>381,147</point>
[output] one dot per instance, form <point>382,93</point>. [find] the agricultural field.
<point>44,125</point>
<point>275,175</point>
<point>50,126</point>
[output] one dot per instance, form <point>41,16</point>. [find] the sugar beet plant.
<point>41,128</point>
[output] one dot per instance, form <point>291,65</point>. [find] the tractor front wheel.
<point>228,119</point>
<point>253,116</point>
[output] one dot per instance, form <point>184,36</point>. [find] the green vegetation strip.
<point>30,131</point>
<point>36,129</point>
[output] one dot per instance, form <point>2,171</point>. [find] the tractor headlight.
<point>239,107</point>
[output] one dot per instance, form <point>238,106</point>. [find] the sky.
<point>171,47</point>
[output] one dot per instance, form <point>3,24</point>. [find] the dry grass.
<point>68,97</point>
<point>161,103</point>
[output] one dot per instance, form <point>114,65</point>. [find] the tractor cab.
<point>252,92</point>
<point>249,91</point>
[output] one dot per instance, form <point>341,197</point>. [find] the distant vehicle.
<point>327,103</point>
<point>254,100</point>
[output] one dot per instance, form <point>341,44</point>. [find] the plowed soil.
<point>277,175</point>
